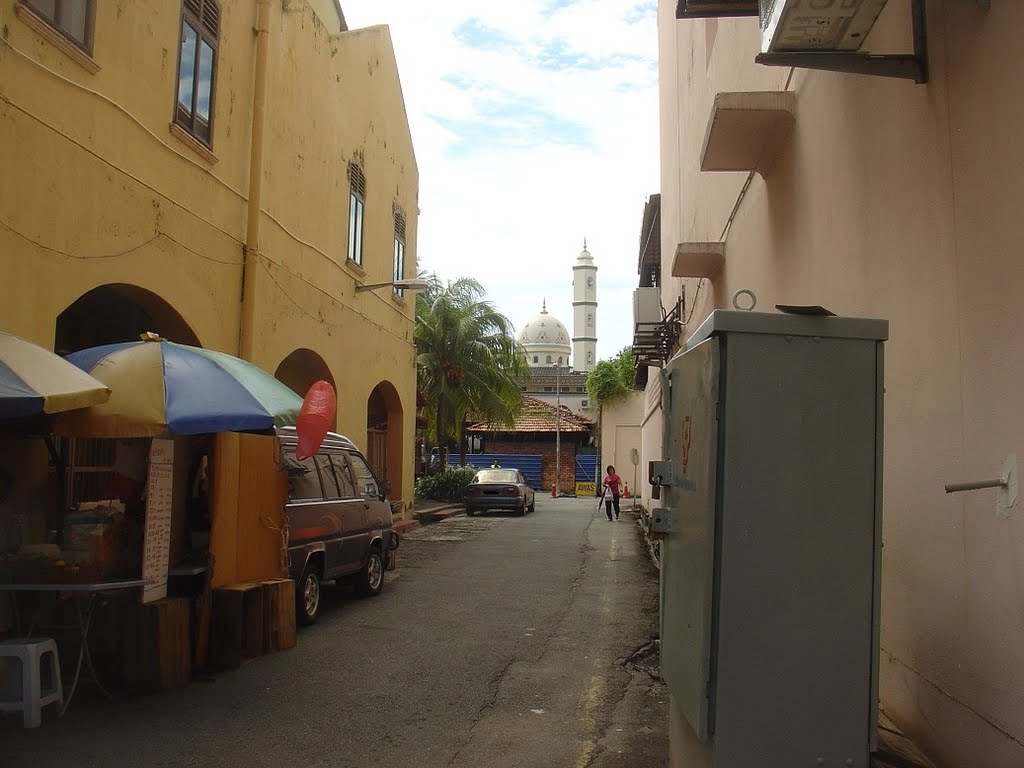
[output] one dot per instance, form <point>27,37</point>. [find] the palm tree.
<point>467,359</point>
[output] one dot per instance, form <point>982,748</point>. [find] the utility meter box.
<point>771,514</point>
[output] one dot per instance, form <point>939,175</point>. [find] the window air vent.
<point>357,179</point>
<point>211,17</point>
<point>399,223</point>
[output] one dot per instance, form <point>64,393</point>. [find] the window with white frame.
<point>356,206</point>
<point>399,256</point>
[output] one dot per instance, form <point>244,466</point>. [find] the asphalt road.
<point>498,641</point>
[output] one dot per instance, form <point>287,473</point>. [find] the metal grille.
<point>90,465</point>
<point>696,9</point>
<point>377,453</point>
<point>654,343</point>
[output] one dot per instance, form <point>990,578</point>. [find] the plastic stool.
<point>32,653</point>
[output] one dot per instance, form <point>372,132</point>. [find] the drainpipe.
<point>251,249</point>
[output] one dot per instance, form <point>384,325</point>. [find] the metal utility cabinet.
<point>770,510</point>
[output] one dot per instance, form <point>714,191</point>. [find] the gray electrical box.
<point>770,511</point>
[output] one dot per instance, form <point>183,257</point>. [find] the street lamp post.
<point>558,431</point>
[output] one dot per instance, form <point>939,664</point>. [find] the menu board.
<point>156,546</point>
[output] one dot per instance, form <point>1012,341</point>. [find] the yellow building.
<point>224,174</point>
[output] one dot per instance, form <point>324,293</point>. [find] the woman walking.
<point>612,483</point>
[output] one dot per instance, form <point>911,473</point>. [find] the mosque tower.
<point>584,310</point>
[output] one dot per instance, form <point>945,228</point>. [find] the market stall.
<point>156,490</point>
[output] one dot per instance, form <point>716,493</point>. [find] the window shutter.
<point>357,179</point>
<point>399,224</point>
<point>211,18</point>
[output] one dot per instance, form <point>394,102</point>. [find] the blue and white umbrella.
<point>160,388</point>
<point>35,381</point>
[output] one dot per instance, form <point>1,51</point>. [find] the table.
<point>89,591</point>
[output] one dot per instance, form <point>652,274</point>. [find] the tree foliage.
<point>611,380</point>
<point>467,358</point>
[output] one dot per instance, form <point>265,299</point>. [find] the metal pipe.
<point>251,250</point>
<point>975,486</point>
<point>558,434</point>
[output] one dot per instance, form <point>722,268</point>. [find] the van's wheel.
<point>307,595</point>
<point>469,512</point>
<point>371,578</point>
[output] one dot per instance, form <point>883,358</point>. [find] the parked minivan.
<point>339,521</point>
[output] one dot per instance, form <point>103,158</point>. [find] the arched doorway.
<point>384,428</point>
<point>118,312</point>
<point>303,368</point>
<point>108,314</point>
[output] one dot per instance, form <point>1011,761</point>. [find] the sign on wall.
<point>156,544</point>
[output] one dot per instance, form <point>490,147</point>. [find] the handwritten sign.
<point>156,547</point>
<point>585,489</point>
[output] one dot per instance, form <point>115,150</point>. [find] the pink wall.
<point>904,202</point>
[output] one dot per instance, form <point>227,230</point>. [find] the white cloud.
<point>535,125</point>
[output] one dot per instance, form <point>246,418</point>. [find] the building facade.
<point>881,197</point>
<point>224,174</point>
<point>557,435</point>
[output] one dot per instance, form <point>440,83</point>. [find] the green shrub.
<point>445,486</point>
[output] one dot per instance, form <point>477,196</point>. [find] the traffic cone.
<point>625,492</point>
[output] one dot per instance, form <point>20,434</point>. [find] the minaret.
<point>584,312</point>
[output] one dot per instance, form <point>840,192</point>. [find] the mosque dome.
<point>545,336</point>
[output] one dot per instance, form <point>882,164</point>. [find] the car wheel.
<point>307,595</point>
<point>522,509</point>
<point>371,578</point>
<point>469,512</point>
<point>533,505</point>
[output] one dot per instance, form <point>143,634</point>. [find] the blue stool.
<point>32,653</point>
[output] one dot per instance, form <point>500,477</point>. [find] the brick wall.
<point>546,450</point>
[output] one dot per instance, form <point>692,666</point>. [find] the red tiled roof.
<point>538,416</point>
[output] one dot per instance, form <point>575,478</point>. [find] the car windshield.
<point>496,476</point>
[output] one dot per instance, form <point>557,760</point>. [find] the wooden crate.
<point>157,647</point>
<point>278,614</point>
<point>237,631</point>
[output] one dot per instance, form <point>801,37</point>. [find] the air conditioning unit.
<point>647,306</point>
<point>816,25</point>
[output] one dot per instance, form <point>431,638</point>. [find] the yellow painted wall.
<point>901,201</point>
<point>96,190</point>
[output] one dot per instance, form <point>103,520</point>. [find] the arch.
<point>118,312</point>
<point>301,369</point>
<point>549,359</point>
<point>385,426</point>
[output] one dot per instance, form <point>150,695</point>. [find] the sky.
<point>535,126</point>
